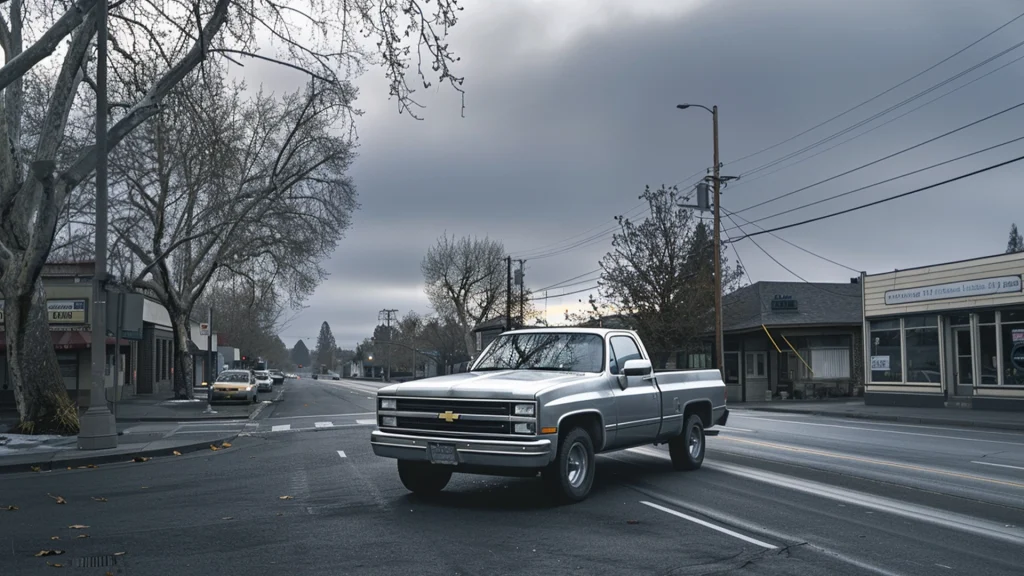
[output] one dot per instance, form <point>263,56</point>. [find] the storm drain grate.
<point>95,561</point>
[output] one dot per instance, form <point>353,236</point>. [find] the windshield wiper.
<point>491,369</point>
<point>552,369</point>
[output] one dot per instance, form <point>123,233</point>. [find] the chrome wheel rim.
<point>695,442</point>
<point>576,465</point>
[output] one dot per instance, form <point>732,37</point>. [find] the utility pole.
<point>209,349</point>
<point>386,316</point>
<point>719,341</point>
<point>717,179</point>
<point>522,292</point>
<point>508,294</point>
<point>98,429</point>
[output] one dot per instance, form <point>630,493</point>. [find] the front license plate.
<point>441,453</point>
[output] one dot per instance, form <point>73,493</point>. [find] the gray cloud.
<point>570,112</point>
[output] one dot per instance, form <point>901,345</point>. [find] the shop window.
<point>756,365</point>
<point>960,320</point>
<point>886,351</point>
<point>923,355</point>
<point>825,363</point>
<point>1012,337</point>
<point>986,317</point>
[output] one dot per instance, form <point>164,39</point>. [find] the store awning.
<point>68,340</point>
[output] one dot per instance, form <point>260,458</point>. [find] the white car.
<point>263,381</point>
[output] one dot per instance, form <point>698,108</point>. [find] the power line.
<point>594,287</point>
<point>776,236</point>
<point>883,93</point>
<point>886,181</point>
<point>559,284</point>
<point>540,251</point>
<point>882,201</point>
<point>887,122</point>
<point>884,158</point>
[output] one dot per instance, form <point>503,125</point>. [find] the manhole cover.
<point>95,561</point>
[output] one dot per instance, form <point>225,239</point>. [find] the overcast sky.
<point>570,112</point>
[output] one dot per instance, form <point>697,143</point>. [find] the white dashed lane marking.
<point>366,422</point>
<point>323,424</point>
<point>341,453</point>
<point>281,427</point>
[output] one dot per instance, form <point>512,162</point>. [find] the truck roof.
<point>567,330</point>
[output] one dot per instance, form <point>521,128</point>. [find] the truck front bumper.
<point>470,452</point>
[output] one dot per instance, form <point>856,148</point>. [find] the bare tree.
<point>170,38</point>
<point>446,339</point>
<point>255,187</point>
<point>660,274</point>
<point>466,281</point>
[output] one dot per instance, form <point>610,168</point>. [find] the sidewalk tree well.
<point>328,40</point>
<point>660,274</point>
<point>466,280</point>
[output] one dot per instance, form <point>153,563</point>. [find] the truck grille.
<point>475,417</point>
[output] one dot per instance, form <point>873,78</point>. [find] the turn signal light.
<point>550,430</point>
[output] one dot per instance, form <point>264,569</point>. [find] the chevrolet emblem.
<point>448,416</point>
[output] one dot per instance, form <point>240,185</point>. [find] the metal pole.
<point>522,293</point>
<point>719,342</point>
<point>98,427</point>
<point>508,294</point>
<point>117,349</point>
<point>209,347</point>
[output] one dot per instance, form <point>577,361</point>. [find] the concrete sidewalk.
<point>163,409</point>
<point>856,409</point>
<point>40,453</point>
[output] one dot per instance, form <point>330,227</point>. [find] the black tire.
<point>687,450</point>
<point>562,480</point>
<point>423,478</point>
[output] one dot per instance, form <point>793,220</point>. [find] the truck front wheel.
<point>687,449</point>
<point>423,477</point>
<point>571,475</point>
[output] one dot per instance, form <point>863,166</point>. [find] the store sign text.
<point>60,311</point>
<point>982,287</point>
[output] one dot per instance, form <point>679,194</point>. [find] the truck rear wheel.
<point>571,476</point>
<point>423,477</point>
<point>687,449</point>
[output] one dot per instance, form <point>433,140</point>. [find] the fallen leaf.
<point>285,497</point>
<point>35,469</point>
<point>143,487</point>
<point>77,527</point>
<point>632,521</point>
<point>214,448</point>
<point>225,445</point>
<point>49,553</point>
<point>227,518</point>
<point>58,499</point>
<point>91,466</point>
<point>176,453</point>
<point>280,513</point>
<point>69,467</point>
<point>54,537</point>
<point>109,574</point>
<point>11,508</point>
<point>100,499</point>
<point>54,565</point>
<point>141,459</point>
<point>83,536</point>
<point>119,553</point>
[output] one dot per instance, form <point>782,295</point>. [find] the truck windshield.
<point>544,351</point>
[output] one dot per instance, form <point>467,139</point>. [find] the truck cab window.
<point>623,349</point>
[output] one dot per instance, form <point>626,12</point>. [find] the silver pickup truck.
<point>546,401</point>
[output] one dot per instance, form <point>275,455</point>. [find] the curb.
<point>904,419</point>
<point>51,464</point>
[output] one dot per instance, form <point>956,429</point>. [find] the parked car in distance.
<point>335,377</point>
<point>236,385</point>
<point>315,376</point>
<point>263,381</point>
<point>547,401</point>
<point>277,377</point>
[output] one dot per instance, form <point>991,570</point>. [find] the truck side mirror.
<point>637,367</point>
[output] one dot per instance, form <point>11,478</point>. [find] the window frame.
<point>753,356</point>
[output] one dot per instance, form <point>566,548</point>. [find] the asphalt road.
<point>300,492</point>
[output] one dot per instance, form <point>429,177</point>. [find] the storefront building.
<point>947,335</point>
<point>789,340</point>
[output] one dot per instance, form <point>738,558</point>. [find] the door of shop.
<point>963,376</point>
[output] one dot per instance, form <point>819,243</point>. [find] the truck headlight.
<point>388,421</point>
<point>524,410</point>
<point>524,428</point>
<point>388,404</point>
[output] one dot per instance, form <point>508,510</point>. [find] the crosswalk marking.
<point>281,427</point>
<point>341,453</point>
<point>323,424</point>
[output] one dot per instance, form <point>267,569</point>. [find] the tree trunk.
<point>43,402</point>
<point>182,358</point>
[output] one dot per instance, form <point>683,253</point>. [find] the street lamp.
<point>717,181</point>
